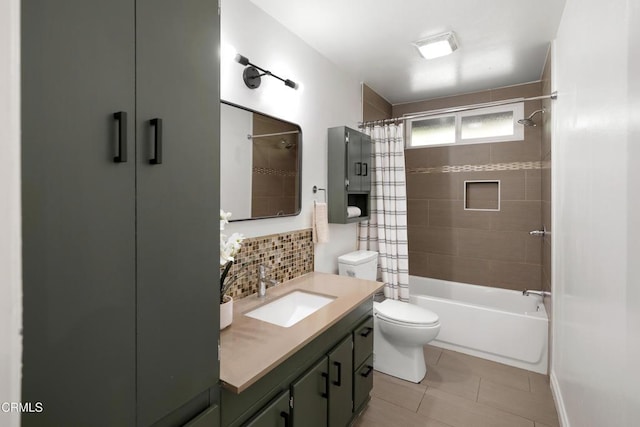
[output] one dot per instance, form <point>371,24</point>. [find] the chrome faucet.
<point>263,280</point>
<point>542,294</point>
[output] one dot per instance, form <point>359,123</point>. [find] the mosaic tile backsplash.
<point>289,255</point>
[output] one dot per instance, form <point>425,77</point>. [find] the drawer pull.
<point>325,394</point>
<point>286,418</point>
<point>156,159</point>
<point>367,372</point>
<point>121,118</point>
<point>339,382</point>
<point>365,332</point>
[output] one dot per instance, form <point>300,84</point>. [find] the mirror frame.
<point>298,164</point>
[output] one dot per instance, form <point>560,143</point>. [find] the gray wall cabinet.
<point>120,182</point>
<point>349,173</point>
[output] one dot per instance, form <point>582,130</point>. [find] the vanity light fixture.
<point>252,74</point>
<point>437,46</point>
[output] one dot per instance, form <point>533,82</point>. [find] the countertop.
<point>250,348</point>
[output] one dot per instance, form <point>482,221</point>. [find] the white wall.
<point>596,211</point>
<point>237,151</point>
<point>10,249</point>
<point>328,97</point>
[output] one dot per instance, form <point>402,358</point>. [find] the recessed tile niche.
<point>482,195</point>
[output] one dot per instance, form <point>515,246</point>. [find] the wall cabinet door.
<point>341,383</point>
<point>310,396</point>
<point>177,202</point>
<point>78,210</point>
<point>275,414</point>
<point>358,147</point>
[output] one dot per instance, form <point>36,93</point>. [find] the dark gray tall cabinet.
<point>120,160</point>
<point>349,173</point>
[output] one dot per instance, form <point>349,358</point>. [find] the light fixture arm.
<point>252,75</point>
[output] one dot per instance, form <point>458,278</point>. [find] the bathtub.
<point>491,323</point>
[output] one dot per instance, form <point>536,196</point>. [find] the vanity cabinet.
<point>362,363</point>
<point>322,392</point>
<point>275,414</point>
<point>120,159</point>
<point>324,395</point>
<point>311,396</point>
<point>341,383</point>
<point>349,173</point>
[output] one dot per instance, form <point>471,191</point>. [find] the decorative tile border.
<point>490,167</point>
<point>271,171</point>
<point>289,255</point>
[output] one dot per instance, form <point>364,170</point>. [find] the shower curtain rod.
<point>553,95</point>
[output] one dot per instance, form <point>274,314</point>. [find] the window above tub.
<point>489,124</point>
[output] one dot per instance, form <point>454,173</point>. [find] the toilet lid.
<point>404,312</point>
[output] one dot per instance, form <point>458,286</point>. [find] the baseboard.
<point>557,398</point>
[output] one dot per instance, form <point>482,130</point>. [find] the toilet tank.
<point>360,264</point>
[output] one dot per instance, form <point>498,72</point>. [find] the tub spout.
<point>543,294</point>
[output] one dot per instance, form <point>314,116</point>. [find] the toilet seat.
<point>404,313</point>
<point>408,325</point>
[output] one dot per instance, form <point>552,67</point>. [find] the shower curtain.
<point>386,230</point>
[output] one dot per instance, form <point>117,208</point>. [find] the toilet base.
<point>414,373</point>
<point>404,362</point>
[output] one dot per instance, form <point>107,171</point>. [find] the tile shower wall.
<point>374,107</point>
<point>478,247</point>
<point>289,255</point>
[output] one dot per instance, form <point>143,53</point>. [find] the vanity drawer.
<point>362,382</point>
<point>363,341</point>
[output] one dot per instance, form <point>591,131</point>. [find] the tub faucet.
<point>542,294</point>
<point>262,280</point>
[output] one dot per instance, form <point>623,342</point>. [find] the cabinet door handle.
<point>358,168</point>
<point>121,118</point>
<point>367,372</point>
<point>339,366</point>
<point>156,159</point>
<point>286,418</point>
<point>366,331</point>
<point>366,169</point>
<point>325,394</point>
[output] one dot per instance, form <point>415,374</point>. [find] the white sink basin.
<point>290,309</point>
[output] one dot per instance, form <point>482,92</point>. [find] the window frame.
<point>516,108</point>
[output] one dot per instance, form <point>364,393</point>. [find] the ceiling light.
<point>437,46</point>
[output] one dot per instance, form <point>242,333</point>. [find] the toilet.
<point>400,329</point>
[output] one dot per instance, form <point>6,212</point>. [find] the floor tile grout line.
<point>396,405</point>
<point>422,400</point>
<point>482,404</point>
<point>439,357</point>
<point>426,417</point>
<point>511,412</point>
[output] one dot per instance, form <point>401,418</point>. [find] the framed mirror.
<point>260,164</point>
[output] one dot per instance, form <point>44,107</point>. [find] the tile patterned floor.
<point>461,391</point>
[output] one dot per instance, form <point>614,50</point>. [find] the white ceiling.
<point>502,42</point>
